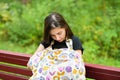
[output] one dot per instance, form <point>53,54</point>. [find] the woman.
<point>56,29</point>
<point>59,56</point>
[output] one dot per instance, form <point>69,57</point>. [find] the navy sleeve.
<point>44,44</point>
<point>77,45</point>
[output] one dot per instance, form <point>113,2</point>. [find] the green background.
<point>95,22</point>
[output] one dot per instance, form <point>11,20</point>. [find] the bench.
<point>13,67</point>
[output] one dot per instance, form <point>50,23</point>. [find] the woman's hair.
<point>52,21</point>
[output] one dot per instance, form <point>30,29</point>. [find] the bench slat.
<point>23,55</point>
<point>101,76</point>
<point>15,69</point>
<point>104,69</point>
<point>100,72</point>
<point>13,60</point>
<point>5,76</point>
<point>15,54</point>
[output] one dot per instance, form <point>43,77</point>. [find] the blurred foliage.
<point>96,23</point>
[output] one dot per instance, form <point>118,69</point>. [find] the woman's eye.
<point>59,33</point>
<point>52,35</point>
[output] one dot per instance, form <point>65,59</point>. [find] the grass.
<point>14,47</point>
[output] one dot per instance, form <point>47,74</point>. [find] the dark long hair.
<point>52,21</point>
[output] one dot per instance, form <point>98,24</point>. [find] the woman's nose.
<point>58,38</point>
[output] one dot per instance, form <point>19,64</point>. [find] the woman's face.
<point>58,34</point>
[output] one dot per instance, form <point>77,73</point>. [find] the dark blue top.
<point>77,45</point>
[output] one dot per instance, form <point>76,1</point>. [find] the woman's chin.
<point>60,41</point>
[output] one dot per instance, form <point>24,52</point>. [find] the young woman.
<point>59,56</point>
<point>56,29</point>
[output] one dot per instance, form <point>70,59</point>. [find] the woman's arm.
<point>77,45</point>
<point>79,51</point>
<point>40,48</point>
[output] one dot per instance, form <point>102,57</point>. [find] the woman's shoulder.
<point>74,38</point>
<point>45,44</point>
<point>77,45</point>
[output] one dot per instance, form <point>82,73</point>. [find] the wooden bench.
<point>13,67</point>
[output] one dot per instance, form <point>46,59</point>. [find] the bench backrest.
<point>13,67</point>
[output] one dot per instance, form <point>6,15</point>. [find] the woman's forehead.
<point>56,30</point>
